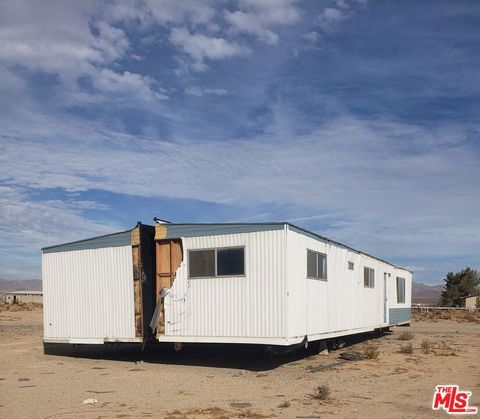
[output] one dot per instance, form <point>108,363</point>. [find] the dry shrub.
<point>426,346</point>
<point>407,348</point>
<point>321,392</point>
<point>445,350</point>
<point>406,335</point>
<point>285,404</point>
<point>371,352</point>
<point>471,317</point>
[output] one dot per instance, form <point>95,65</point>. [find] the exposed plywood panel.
<point>136,236</point>
<point>160,231</point>
<point>168,258</point>
<point>137,278</point>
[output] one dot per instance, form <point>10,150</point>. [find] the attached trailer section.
<point>247,307</point>
<point>275,300</point>
<point>93,289</point>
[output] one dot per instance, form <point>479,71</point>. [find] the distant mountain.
<point>21,285</point>
<point>422,293</point>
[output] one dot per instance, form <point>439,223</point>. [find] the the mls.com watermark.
<point>450,398</point>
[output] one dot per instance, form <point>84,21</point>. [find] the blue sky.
<point>356,119</point>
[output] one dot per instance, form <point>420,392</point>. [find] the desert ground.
<point>209,381</point>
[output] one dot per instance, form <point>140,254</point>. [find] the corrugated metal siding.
<point>122,238</point>
<point>175,231</point>
<point>250,306</point>
<point>342,302</point>
<point>88,294</point>
<point>399,315</point>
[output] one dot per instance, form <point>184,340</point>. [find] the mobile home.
<point>262,283</point>
<point>99,290</point>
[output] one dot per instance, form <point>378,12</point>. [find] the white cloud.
<point>28,225</point>
<point>258,18</point>
<point>251,24</point>
<point>68,41</point>
<point>199,91</point>
<point>141,86</point>
<point>332,17</point>
<point>355,176</point>
<point>162,12</point>
<point>311,36</point>
<point>200,47</point>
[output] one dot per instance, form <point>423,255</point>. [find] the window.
<point>351,265</point>
<point>316,265</point>
<point>400,290</point>
<point>201,263</point>
<point>228,261</point>
<point>368,277</point>
<point>231,261</point>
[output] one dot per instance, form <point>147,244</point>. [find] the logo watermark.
<point>450,398</point>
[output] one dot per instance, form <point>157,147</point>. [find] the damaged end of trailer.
<point>169,257</point>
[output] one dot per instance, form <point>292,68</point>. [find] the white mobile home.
<point>98,290</point>
<point>272,283</point>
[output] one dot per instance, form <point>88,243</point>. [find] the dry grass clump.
<point>371,352</point>
<point>407,348</point>
<point>471,317</point>
<point>445,350</point>
<point>426,346</point>
<point>321,392</point>
<point>285,404</point>
<point>406,335</point>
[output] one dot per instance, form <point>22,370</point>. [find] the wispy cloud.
<point>326,114</point>
<point>333,17</point>
<point>200,91</point>
<point>201,47</point>
<point>261,18</point>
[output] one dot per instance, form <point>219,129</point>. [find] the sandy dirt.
<point>232,382</point>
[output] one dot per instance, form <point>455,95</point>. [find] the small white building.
<point>14,297</point>
<point>271,283</point>
<point>471,302</point>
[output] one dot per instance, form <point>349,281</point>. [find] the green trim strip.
<point>123,238</point>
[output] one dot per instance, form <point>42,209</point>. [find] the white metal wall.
<point>88,295</point>
<point>239,308</point>
<point>341,303</point>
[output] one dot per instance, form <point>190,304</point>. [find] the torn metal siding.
<point>88,295</point>
<point>242,308</point>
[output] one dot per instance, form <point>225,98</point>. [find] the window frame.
<point>373,277</point>
<point>404,291</point>
<point>215,250</point>
<point>318,278</point>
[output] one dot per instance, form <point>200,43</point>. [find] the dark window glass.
<point>351,266</point>
<point>201,263</point>
<point>400,290</point>
<point>311,264</point>
<point>316,265</point>
<point>231,261</point>
<point>368,277</point>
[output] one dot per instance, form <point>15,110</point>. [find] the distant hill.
<point>21,285</point>
<point>427,294</point>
